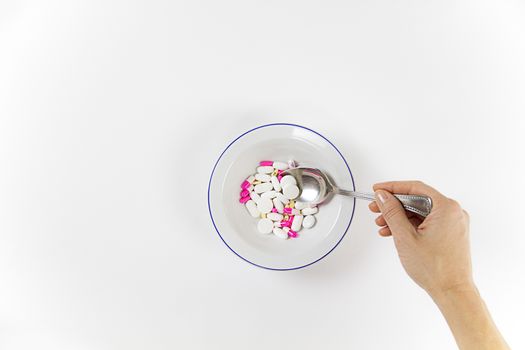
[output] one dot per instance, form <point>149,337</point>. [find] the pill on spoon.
<point>278,205</point>
<point>301,205</point>
<point>290,191</point>
<point>288,180</point>
<point>265,226</point>
<point>282,198</point>
<point>254,196</point>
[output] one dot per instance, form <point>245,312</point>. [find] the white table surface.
<point>112,114</point>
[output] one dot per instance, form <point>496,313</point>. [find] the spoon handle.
<point>421,205</point>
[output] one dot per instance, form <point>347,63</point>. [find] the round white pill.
<point>276,184</point>
<point>309,211</point>
<point>290,191</point>
<point>264,187</point>
<point>265,205</point>
<point>269,194</point>
<point>309,221</point>
<point>280,165</point>
<point>278,205</point>
<point>263,177</point>
<point>252,209</point>
<point>265,169</point>
<point>254,196</point>
<point>274,216</point>
<point>265,226</point>
<point>279,232</point>
<point>297,222</point>
<point>288,180</point>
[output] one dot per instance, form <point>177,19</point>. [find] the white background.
<point>112,114</point>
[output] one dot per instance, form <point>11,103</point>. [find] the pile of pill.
<point>269,196</point>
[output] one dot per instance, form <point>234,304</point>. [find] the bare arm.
<point>435,252</point>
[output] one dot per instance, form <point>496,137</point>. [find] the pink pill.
<point>280,172</point>
<point>266,163</point>
<point>274,210</point>
<point>245,184</point>
<point>286,224</point>
<point>292,234</point>
<point>244,199</point>
<point>287,210</point>
<point>279,177</point>
<point>245,193</point>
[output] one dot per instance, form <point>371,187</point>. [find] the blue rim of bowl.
<point>213,171</point>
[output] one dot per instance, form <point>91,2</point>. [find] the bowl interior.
<point>238,229</point>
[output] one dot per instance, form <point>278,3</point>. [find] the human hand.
<point>435,250</point>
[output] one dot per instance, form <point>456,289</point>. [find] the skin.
<point>435,253</point>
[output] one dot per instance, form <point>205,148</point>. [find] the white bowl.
<point>238,229</point>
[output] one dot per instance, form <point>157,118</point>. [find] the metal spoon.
<point>315,187</point>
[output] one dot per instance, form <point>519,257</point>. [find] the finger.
<point>410,187</point>
<point>385,231</point>
<point>394,214</point>
<point>380,221</point>
<point>415,221</point>
<point>373,207</point>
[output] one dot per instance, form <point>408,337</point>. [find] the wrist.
<point>443,296</point>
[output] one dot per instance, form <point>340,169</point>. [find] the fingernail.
<point>380,195</point>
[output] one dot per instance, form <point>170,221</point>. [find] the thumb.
<point>394,213</point>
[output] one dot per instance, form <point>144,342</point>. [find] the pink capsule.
<point>245,184</point>
<point>279,177</point>
<point>274,210</point>
<point>287,210</point>
<point>286,223</point>
<point>280,172</point>
<point>244,199</point>
<point>266,163</point>
<point>292,234</point>
<point>245,193</point>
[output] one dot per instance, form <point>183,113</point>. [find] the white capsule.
<point>279,232</point>
<point>275,183</point>
<point>264,187</point>
<point>282,198</point>
<point>265,205</point>
<point>301,205</point>
<point>274,216</point>
<point>250,179</point>
<point>254,196</point>
<point>280,165</point>
<point>252,209</point>
<point>297,222</point>
<point>263,177</point>
<point>309,221</point>
<point>276,224</point>
<point>278,205</point>
<point>269,194</point>
<point>265,226</point>
<point>265,169</point>
<point>286,229</point>
<point>288,180</point>
<point>309,211</point>
<point>290,191</point>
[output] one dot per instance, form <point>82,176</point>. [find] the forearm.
<point>469,319</point>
